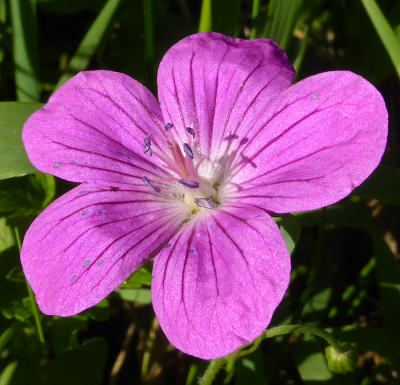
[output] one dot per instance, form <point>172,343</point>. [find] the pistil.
<point>198,193</point>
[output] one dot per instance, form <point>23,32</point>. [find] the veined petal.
<point>319,140</point>
<point>93,130</point>
<point>219,84</point>
<point>89,241</point>
<point>219,279</point>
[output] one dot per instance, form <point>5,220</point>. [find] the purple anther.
<point>168,126</point>
<point>188,183</point>
<point>207,203</point>
<point>188,151</point>
<point>149,185</point>
<point>147,145</point>
<point>190,131</point>
<point>147,149</point>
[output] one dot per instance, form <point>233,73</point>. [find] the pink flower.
<point>193,181</point>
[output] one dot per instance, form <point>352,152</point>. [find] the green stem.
<point>305,329</point>
<point>278,331</point>
<point>205,23</point>
<point>254,14</point>
<point>215,366</point>
<point>35,309</point>
<point>212,370</point>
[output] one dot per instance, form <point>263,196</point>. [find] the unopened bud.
<point>340,361</point>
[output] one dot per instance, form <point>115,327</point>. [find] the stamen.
<point>190,131</point>
<point>189,183</point>
<point>147,149</point>
<point>148,184</point>
<point>188,151</point>
<point>168,126</point>
<point>207,203</point>
<point>147,145</point>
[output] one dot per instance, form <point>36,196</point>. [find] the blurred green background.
<point>346,277</point>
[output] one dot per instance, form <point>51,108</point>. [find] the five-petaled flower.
<point>192,180</point>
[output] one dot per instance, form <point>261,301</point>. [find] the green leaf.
<point>100,312</point>
<point>142,296</point>
<point>7,336</point>
<point>317,302</point>
<point>383,185</point>
<point>27,195</point>
<point>19,310</point>
<point>64,333</point>
<point>79,366</point>
<point>385,32</point>
<point>357,216</point>
<point>290,230</point>
<point>6,235</point>
<point>388,271</point>
<point>191,376</point>
<point>250,369</point>
<point>3,20</point>
<point>7,374</point>
<point>91,42</point>
<point>16,274</point>
<point>13,158</point>
<point>311,362</point>
<point>140,278</point>
<point>11,292</point>
<point>25,50</point>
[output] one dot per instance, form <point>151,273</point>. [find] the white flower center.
<point>194,179</point>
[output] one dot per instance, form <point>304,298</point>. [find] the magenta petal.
<point>318,140</point>
<point>218,85</point>
<point>89,241</point>
<point>93,129</point>
<point>219,280</point>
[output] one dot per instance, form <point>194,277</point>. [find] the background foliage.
<point>346,276</point>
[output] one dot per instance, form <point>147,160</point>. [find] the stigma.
<point>182,162</point>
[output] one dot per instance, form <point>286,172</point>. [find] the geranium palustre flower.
<point>192,180</point>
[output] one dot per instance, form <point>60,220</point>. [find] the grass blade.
<point>302,51</point>
<point>385,32</point>
<point>13,158</point>
<point>254,15</point>
<point>282,15</point>
<point>25,50</point>
<point>90,42</point>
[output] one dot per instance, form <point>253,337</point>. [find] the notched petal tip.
<point>219,84</point>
